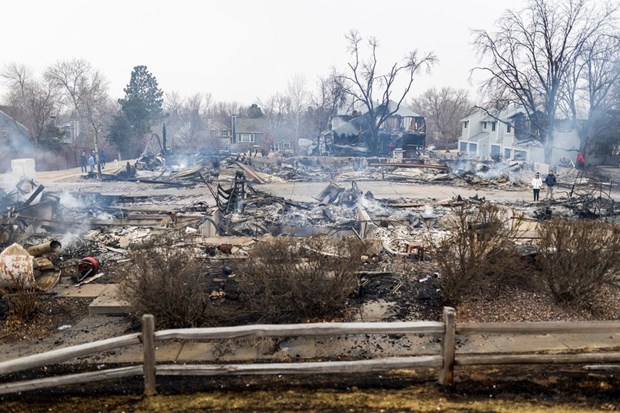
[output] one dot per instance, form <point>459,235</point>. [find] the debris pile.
<point>105,227</point>
<point>30,267</point>
<point>25,211</point>
<point>592,201</point>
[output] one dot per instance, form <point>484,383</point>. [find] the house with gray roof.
<point>249,133</point>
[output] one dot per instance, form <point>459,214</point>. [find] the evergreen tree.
<point>120,134</point>
<point>255,112</point>
<point>143,102</point>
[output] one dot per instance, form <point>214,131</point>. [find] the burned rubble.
<point>97,231</point>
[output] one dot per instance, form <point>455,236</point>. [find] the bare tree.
<point>374,90</point>
<point>299,98</point>
<point>188,119</point>
<point>173,105</point>
<point>69,76</point>
<point>276,109</point>
<point>588,96</point>
<point>330,96</point>
<point>85,91</point>
<point>529,57</point>
<point>223,111</point>
<point>30,101</point>
<point>195,115</point>
<point>96,109</point>
<point>443,110</point>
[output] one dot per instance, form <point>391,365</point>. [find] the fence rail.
<point>444,362</point>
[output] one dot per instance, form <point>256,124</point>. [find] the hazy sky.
<point>241,50</point>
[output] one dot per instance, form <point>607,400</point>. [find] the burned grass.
<point>51,313</point>
<point>505,389</point>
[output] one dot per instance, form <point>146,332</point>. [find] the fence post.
<point>448,346</point>
<point>148,350</point>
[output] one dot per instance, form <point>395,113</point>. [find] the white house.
<point>507,134</point>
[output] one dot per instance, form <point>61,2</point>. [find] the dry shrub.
<point>21,303</point>
<point>579,258</point>
<point>477,251</point>
<point>21,299</point>
<point>298,280</point>
<point>169,283</point>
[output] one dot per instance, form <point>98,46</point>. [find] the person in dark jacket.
<point>550,181</point>
<point>83,161</point>
<point>102,158</point>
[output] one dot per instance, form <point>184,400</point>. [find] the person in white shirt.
<point>536,185</point>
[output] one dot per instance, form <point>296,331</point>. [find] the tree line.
<point>555,59</point>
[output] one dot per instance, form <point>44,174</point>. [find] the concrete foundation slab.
<point>375,311</point>
<point>108,302</point>
<point>509,344</point>
<point>193,352</point>
<point>590,341</point>
<point>84,291</point>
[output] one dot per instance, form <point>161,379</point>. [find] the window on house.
<point>463,147</point>
<point>465,124</point>
<point>4,133</point>
<point>473,147</point>
<point>508,128</point>
<point>245,137</point>
<point>484,125</point>
<point>493,126</point>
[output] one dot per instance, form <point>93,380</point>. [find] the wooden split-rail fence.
<point>444,362</point>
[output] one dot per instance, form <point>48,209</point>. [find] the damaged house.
<point>15,141</point>
<point>350,134</point>
<point>508,134</point>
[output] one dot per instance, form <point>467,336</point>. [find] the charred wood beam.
<point>251,172</point>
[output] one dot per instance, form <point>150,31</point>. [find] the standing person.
<point>102,158</point>
<point>550,181</point>
<point>91,162</point>
<point>83,162</point>
<point>536,185</point>
<point>581,161</point>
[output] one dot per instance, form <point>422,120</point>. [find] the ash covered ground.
<point>106,218</point>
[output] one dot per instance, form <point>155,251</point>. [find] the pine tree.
<point>143,102</point>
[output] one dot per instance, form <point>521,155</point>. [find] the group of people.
<point>91,160</point>
<point>550,181</point>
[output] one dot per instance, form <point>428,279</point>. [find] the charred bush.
<point>20,299</point>
<point>476,252</point>
<point>290,280</point>
<point>18,304</point>
<point>170,283</point>
<point>578,258</point>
